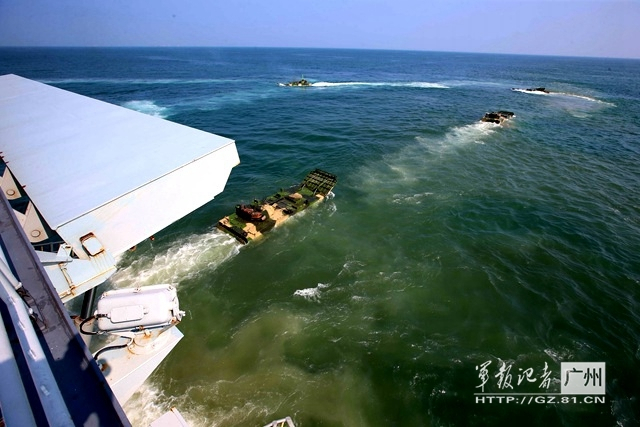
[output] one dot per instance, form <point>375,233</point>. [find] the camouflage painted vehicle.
<point>497,117</point>
<point>250,222</point>
<point>301,82</point>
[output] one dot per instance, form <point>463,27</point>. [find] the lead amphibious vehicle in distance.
<point>250,222</point>
<point>301,82</point>
<point>538,90</point>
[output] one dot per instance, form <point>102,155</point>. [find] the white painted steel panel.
<point>137,215</point>
<point>90,166</point>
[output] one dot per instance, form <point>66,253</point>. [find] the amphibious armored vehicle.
<point>251,221</point>
<point>532,89</point>
<point>301,82</point>
<point>497,117</point>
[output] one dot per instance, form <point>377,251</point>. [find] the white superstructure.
<point>86,181</point>
<point>103,177</point>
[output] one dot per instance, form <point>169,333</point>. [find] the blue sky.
<point>604,28</point>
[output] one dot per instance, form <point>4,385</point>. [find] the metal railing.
<point>15,402</point>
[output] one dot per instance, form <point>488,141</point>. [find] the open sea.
<point>458,266</point>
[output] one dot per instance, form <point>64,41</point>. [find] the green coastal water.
<point>449,243</point>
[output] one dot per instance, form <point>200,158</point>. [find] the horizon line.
<point>304,48</point>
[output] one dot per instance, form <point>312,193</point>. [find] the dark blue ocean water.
<point>450,243</point>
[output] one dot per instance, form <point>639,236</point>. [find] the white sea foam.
<point>414,199</point>
<point>563,94</point>
<point>422,85</point>
<point>459,136</point>
<point>331,207</point>
<point>583,97</point>
<point>337,84</point>
<point>147,107</point>
<point>558,355</point>
<point>472,83</point>
<point>149,403</point>
<point>311,294</point>
<point>146,405</point>
<point>183,259</point>
<point>425,85</point>
<point>472,133</point>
